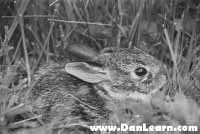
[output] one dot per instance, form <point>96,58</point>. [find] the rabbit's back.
<point>59,93</point>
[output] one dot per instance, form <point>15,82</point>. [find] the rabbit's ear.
<point>86,72</point>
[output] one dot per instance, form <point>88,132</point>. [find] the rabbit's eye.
<point>140,71</point>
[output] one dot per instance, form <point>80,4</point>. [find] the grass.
<point>36,32</point>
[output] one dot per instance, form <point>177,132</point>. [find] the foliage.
<point>36,32</point>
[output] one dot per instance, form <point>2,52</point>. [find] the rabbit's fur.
<point>83,92</point>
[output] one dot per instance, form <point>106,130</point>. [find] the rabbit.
<point>82,93</point>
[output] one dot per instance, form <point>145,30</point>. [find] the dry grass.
<point>35,32</point>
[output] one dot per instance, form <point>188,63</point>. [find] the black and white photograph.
<point>99,66</point>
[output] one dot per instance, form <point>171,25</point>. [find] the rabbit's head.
<point>122,72</point>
